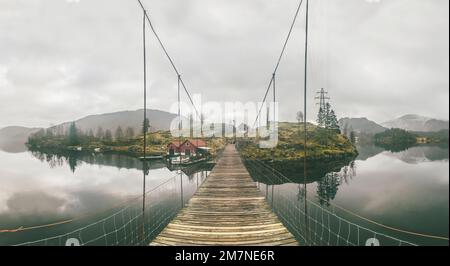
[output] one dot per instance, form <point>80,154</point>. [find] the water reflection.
<point>330,174</point>
<point>421,154</point>
<point>70,185</point>
<point>396,147</point>
<point>74,159</point>
<point>292,171</point>
<point>399,189</point>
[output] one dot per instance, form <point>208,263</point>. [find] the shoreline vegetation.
<point>324,140</point>
<point>322,143</point>
<point>126,144</point>
<point>396,140</point>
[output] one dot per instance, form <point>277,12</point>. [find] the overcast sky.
<point>64,59</point>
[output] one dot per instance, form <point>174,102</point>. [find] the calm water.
<point>407,190</point>
<point>39,189</point>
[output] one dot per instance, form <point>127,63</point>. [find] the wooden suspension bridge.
<point>227,209</point>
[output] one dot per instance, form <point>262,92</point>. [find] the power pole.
<point>323,97</point>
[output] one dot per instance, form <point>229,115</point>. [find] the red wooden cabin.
<point>188,147</point>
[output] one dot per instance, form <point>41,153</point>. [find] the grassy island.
<point>321,143</point>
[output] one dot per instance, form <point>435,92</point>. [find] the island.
<point>159,143</point>
<point>322,143</point>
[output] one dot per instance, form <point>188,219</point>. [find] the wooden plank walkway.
<point>227,209</point>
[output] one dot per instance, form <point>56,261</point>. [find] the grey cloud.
<point>65,60</point>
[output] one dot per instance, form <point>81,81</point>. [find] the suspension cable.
<point>279,59</point>
<point>168,56</point>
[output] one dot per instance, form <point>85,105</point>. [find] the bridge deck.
<point>227,209</point>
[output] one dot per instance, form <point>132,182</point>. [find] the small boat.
<point>151,157</point>
<point>178,161</point>
<point>186,161</point>
<point>190,162</point>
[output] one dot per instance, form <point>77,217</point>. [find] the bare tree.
<point>300,117</point>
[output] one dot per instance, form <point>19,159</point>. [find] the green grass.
<point>156,144</point>
<point>321,143</point>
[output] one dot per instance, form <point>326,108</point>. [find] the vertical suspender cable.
<point>274,97</point>
<point>179,140</point>
<point>274,113</point>
<point>179,117</point>
<point>144,128</point>
<point>168,56</point>
<point>280,57</point>
<point>305,118</point>
<point>179,107</point>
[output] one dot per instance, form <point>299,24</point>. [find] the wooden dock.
<point>227,209</point>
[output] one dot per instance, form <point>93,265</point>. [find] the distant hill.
<point>159,120</point>
<point>361,125</point>
<point>413,122</point>
<point>15,136</point>
<point>12,139</point>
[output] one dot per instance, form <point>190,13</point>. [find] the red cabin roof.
<point>194,142</point>
<point>197,142</point>
<point>176,143</point>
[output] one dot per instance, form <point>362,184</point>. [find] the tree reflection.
<point>72,161</point>
<point>57,160</point>
<point>301,193</point>
<point>328,186</point>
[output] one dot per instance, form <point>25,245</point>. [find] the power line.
<point>279,59</point>
<point>168,56</point>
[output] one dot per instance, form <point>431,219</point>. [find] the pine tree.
<point>352,137</point>
<point>321,117</point>
<point>191,125</point>
<point>100,133</point>
<point>73,135</point>
<point>119,134</point>
<point>129,133</point>
<point>326,118</point>
<point>49,133</point>
<point>91,134</point>
<point>145,126</point>
<point>108,136</point>
<point>327,115</point>
<point>333,122</point>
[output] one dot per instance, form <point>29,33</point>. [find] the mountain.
<point>435,125</point>
<point>12,139</point>
<point>413,122</point>
<point>361,125</point>
<point>159,120</point>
